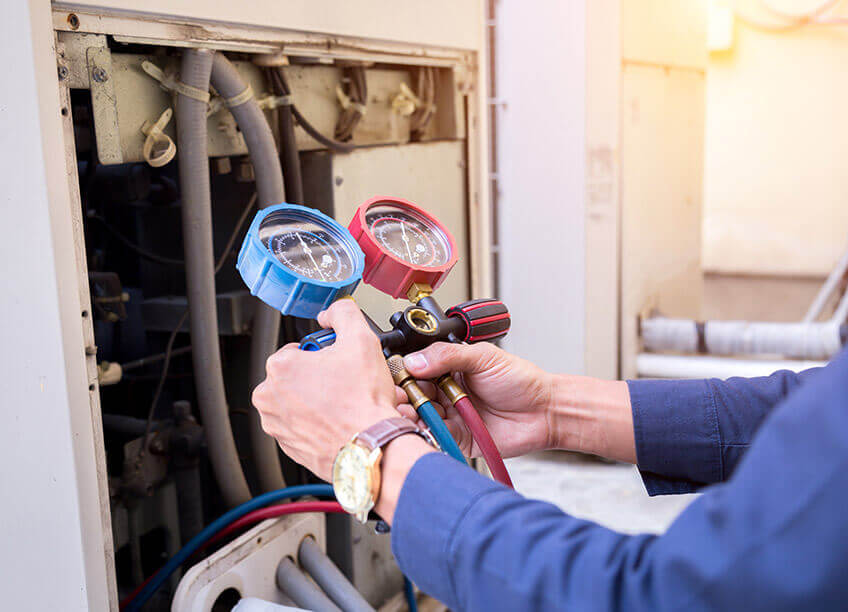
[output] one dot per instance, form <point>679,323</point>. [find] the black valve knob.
<point>485,319</point>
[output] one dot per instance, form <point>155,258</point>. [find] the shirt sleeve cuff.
<point>422,529</point>
<point>678,444</point>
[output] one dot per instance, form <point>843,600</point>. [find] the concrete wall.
<point>541,73</point>
<point>600,156</point>
<point>776,157</point>
<point>662,133</point>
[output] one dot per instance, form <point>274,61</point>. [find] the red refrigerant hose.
<point>484,440</point>
<point>257,516</point>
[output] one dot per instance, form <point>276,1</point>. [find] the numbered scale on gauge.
<point>408,236</point>
<point>403,245</point>
<point>306,248</point>
<point>298,260</point>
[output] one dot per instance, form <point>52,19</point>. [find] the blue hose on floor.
<point>440,431</point>
<point>317,490</point>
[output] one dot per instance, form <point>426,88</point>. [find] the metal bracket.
<point>104,105</point>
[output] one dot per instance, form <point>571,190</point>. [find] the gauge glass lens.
<point>408,235</point>
<point>306,247</point>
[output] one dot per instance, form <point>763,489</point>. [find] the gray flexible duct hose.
<point>269,185</point>
<point>330,578</point>
<point>303,592</point>
<point>200,279</point>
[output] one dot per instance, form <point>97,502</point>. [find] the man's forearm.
<point>592,416</point>
<point>398,458</point>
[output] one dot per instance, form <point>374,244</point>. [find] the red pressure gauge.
<point>403,245</point>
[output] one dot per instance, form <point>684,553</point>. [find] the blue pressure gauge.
<point>298,260</point>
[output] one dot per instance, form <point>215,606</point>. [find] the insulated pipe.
<point>200,278</point>
<point>269,186</point>
<point>801,340</point>
<point>305,594</point>
<point>651,365</point>
<point>330,578</point>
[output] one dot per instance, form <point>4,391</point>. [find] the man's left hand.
<point>312,403</point>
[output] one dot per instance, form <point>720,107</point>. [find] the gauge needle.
<point>308,251</point>
<point>405,239</point>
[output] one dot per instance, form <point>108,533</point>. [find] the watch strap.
<point>383,432</point>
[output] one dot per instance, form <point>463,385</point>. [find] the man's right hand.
<point>525,408</point>
<point>511,394</point>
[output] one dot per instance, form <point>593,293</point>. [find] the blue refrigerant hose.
<point>317,490</point>
<point>440,431</point>
<point>409,594</point>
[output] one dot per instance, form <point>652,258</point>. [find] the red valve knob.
<point>485,319</point>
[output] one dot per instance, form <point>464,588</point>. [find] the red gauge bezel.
<point>388,272</point>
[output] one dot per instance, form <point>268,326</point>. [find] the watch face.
<point>352,478</point>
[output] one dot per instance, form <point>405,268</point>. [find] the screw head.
<point>63,72</point>
<point>99,74</point>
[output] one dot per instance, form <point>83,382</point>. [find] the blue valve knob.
<point>318,340</point>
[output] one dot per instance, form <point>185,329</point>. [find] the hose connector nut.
<point>404,380</point>
<point>450,388</point>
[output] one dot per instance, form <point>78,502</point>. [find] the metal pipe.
<point>200,278</point>
<point>303,591</point>
<point>330,578</point>
<point>827,289</point>
<point>269,185</point>
<point>841,312</point>
<point>650,365</point>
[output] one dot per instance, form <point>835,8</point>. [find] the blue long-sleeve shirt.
<point>773,535</point>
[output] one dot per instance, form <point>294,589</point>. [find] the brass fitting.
<point>421,321</point>
<point>418,291</point>
<point>450,388</point>
<point>404,380</point>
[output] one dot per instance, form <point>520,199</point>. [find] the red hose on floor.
<point>484,441</point>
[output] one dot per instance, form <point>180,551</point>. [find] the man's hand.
<point>525,408</point>
<point>512,395</point>
<point>312,403</point>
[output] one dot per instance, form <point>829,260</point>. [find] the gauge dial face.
<point>408,235</point>
<point>306,247</point>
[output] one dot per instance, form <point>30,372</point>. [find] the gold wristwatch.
<point>356,469</point>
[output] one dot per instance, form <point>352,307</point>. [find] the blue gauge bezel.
<point>285,289</point>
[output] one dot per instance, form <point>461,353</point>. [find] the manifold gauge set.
<point>299,261</point>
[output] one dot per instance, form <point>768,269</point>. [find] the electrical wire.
<point>170,344</point>
<point>355,88</point>
<point>141,252</point>
<point>333,145</point>
<point>136,600</point>
<point>148,427</point>
<point>426,92</point>
<point>143,361</point>
<point>484,441</point>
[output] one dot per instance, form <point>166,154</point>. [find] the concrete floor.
<point>610,494</point>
